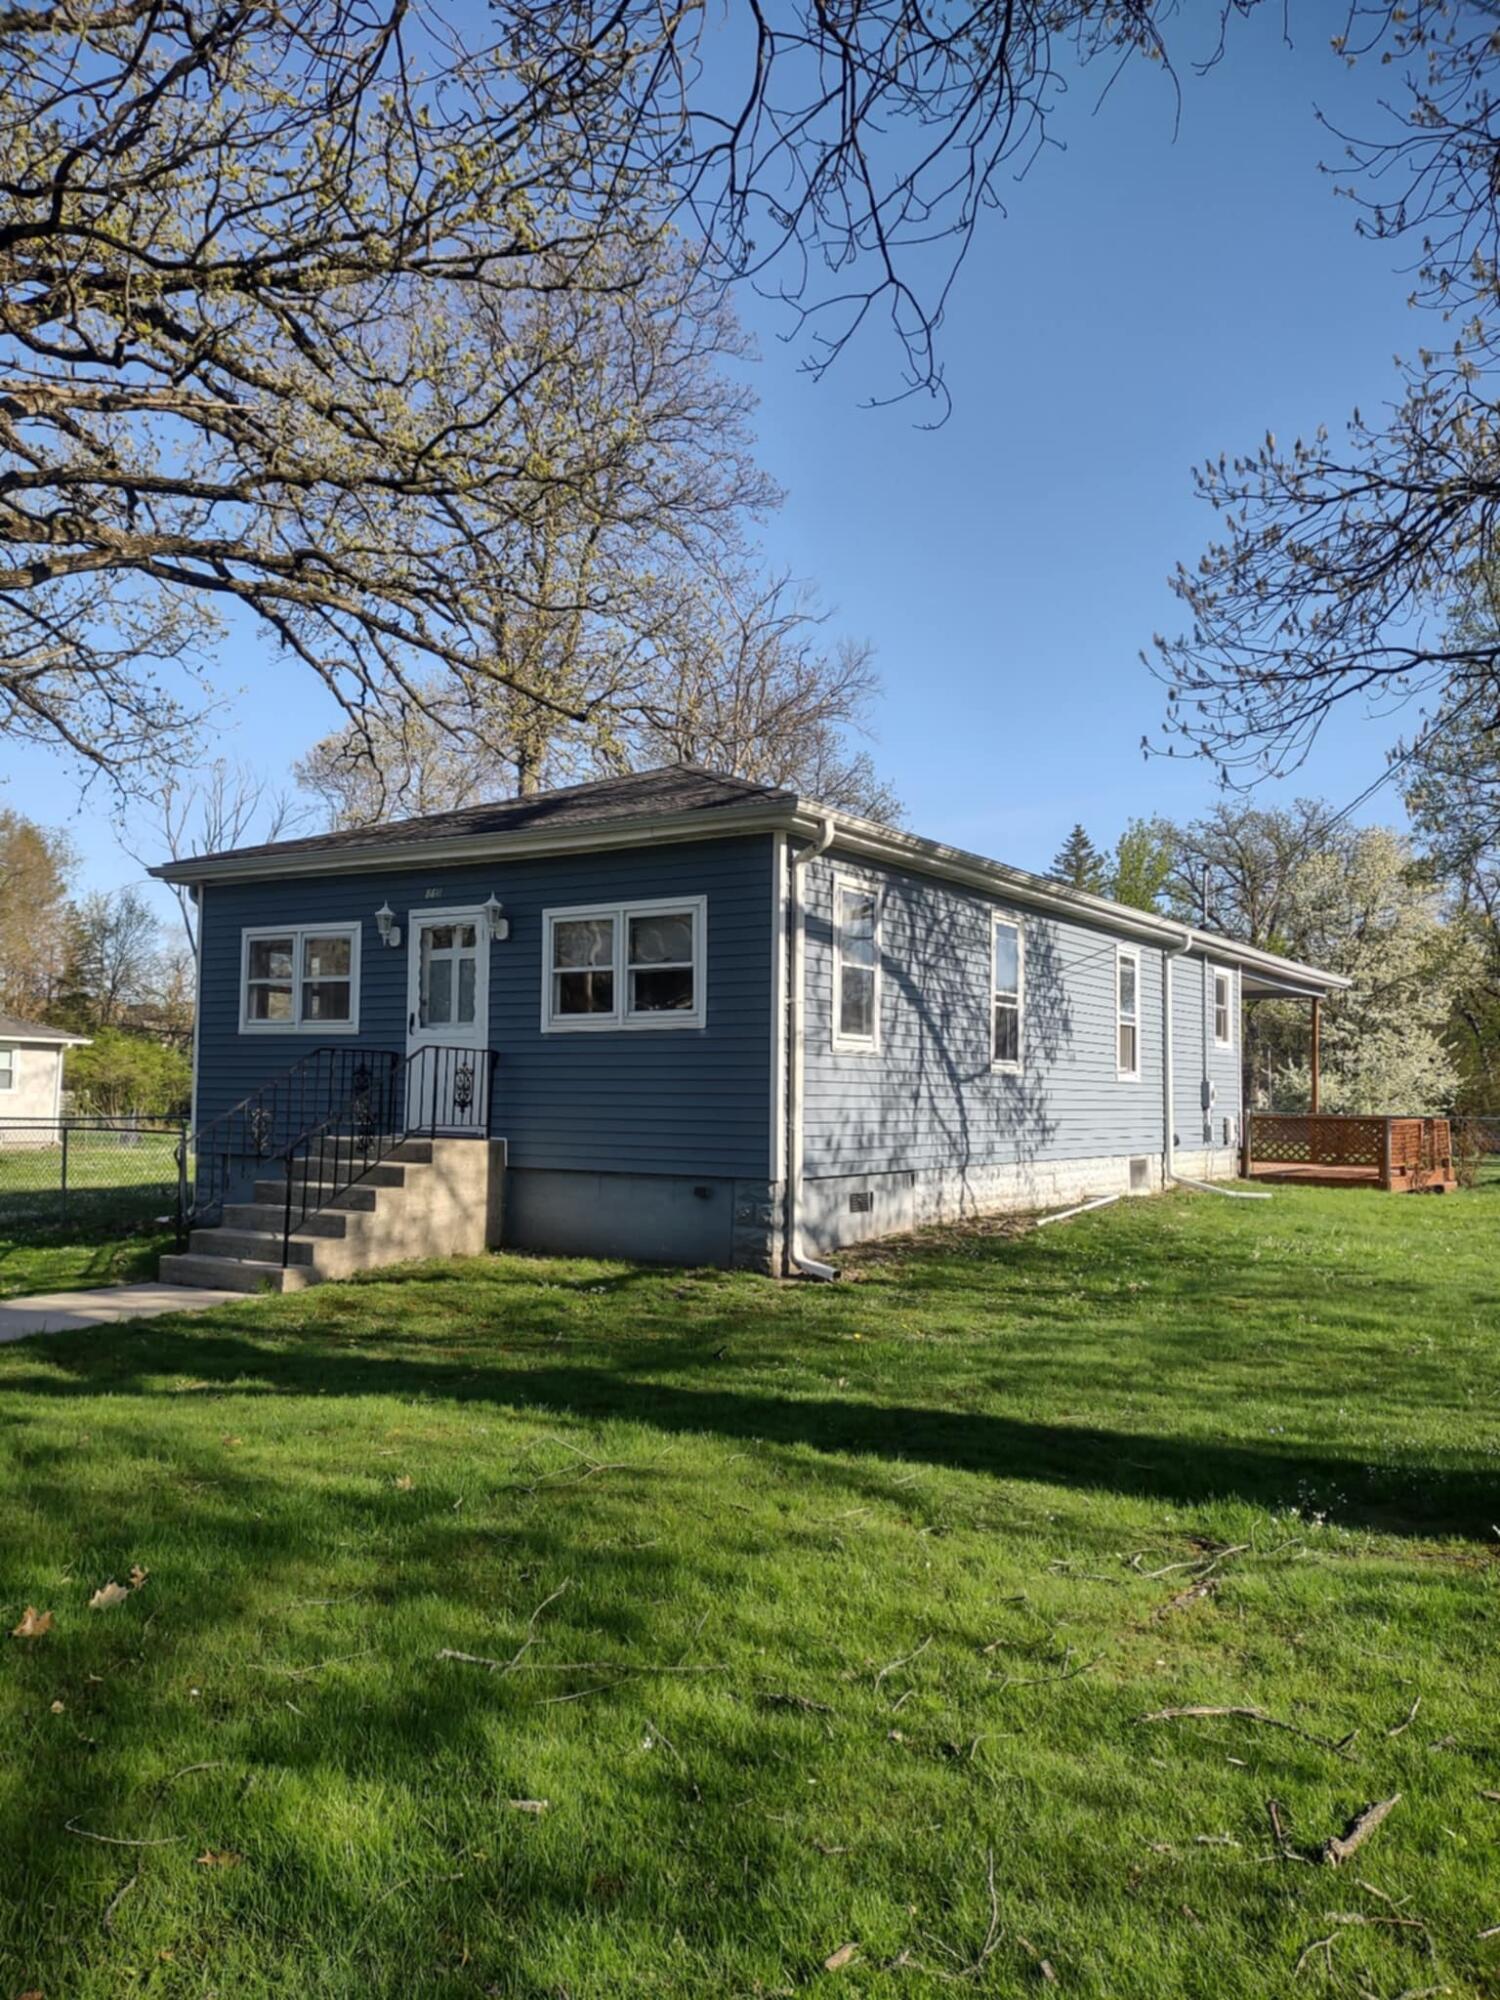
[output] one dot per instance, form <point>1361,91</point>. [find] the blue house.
<point>678,1016</point>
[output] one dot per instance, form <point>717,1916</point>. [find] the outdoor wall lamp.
<point>385,923</point>
<point>499,923</point>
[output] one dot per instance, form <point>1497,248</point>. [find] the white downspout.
<point>810,1267</point>
<point>1168,1082</point>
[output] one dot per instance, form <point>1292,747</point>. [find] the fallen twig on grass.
<point>778,1700</point>
<point>1324,1945</point>
<point>108,1919</point>
<point>113,1840</point>
<point>904,1661</point>
<point>1204,1712</point>
<point>1047,1680</point>
<point>1489,1931</point>
<point>1341,1846</point>
<point>1362,1918</point>
<point>313,1667</point>
<point>1204,1564</point>
<point>1411,1717</point>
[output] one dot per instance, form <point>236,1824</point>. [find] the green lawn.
<point>53,1261</point>
<point>826,1617</point>
<point>116,1181</point>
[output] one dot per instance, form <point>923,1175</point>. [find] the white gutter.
<point>810,1267</point>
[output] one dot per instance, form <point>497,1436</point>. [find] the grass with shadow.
<point>817,1617</point>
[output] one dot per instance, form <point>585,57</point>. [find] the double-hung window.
<point>856,965</point>
<point>7,1069</point>
<point>1223,1017</point>
<point>1127,1014</point>
<point>300,979</point>
<point>1007,974</point>
<point>625,965</point>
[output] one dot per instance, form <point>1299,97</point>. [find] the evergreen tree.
<point>1080,864</point>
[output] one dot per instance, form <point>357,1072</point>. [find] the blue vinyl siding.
<point>928,1098</point>
<point>673,1101</point>
<point>1195,1057</point>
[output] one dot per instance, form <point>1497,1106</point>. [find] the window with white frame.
<point>1007,973</point>
<point>7,1068</point>
<point>300,979</point>
<point>856,965</point>
<point>1223,1017</point>
<point>625,965</point>
<point>1127,1013</point>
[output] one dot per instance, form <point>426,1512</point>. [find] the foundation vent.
<point>862,1202</point>
<point>1140,1175</point>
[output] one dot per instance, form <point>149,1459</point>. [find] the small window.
<point>1223,1028</point>
<point>301,980</point>
<point>632,965</point>
<point>1128,1014</point>
<point>856,966</point>
<point>7,1069</point>
<point>1005,1008</point>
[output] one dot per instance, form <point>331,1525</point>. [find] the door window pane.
<point>437,993</point>
<point>466,989</point>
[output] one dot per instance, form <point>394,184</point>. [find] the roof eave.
<point>804,817</point>
<point>755,816</point>
<point>1038,891</point>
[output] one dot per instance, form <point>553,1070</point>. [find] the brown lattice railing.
<point>1393,1152</point>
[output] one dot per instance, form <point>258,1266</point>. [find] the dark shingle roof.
<point>13,1030</point>
<point>674,788</point>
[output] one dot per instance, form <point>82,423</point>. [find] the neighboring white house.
<point>31,1071</point>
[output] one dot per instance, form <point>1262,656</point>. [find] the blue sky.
<point>1147,302</point>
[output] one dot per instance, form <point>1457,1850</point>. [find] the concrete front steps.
<point>430,1198</point>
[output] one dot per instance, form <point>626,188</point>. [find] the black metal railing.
<point>214,1159</point>
<point>433,1092</point>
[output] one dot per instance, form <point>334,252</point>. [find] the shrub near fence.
<point>86,1173</point>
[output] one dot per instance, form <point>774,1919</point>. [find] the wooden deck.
<point>1402,1155</point>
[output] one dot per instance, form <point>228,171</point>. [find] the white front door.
<point>447,1023</point>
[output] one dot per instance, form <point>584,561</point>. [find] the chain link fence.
<point>87,1173</point>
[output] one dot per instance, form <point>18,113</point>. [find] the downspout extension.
<point>810,1267</point>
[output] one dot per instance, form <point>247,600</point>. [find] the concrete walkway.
<point>62,1312</point>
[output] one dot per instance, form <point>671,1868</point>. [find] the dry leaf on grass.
<point>137,1576</point>
<point>405,1483</point>
<point>59,1707</point>
<point>529,1805</point>
<point>33,1624</point>
<point>837,1960</point>
<point>218,1857</point>
<point>108,1595</point>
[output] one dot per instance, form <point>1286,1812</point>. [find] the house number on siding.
<point>431,895</point>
